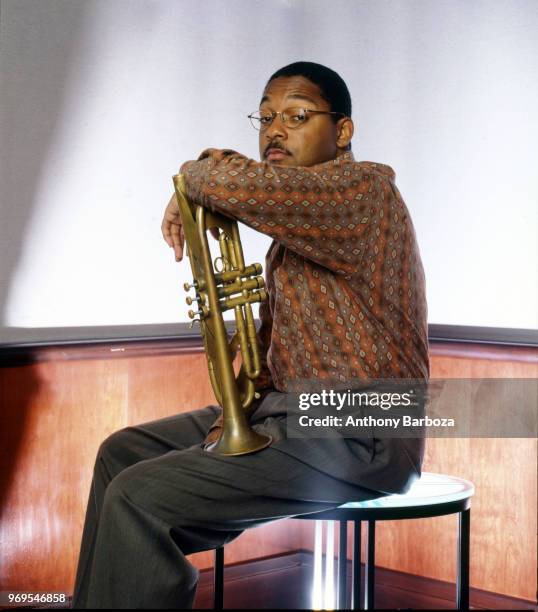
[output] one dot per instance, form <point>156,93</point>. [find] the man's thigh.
<point>196,488</point>
<point>181,430</point>
<point>153,439</point>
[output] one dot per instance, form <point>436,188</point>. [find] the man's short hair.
<point>332,87</point>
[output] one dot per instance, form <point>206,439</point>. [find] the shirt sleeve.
<point>321,212</point>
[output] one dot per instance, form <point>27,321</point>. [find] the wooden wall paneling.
<point>65,418</point>
<point>504,515</point>
<point>504,546</point>
<point>164,386</point>
<point>503,520</point>
<point>271,539</point>
<point>483,363</point>
<point>55,415</point>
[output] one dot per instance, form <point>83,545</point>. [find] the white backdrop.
<point>102,100</point>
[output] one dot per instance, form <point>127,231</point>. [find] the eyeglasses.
<point>293,117</point>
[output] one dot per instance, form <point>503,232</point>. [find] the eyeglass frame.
<point>284,121</point>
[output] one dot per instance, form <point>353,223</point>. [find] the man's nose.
<point>276,129</point>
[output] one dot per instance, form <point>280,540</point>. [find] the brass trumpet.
<point>235,286</point>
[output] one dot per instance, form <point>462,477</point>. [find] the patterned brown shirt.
<point>344,275</point>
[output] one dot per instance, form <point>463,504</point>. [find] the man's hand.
<point>172,228</point>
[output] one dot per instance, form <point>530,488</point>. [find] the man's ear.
<point>344,132</point>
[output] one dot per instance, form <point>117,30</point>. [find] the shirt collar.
<point>348,156</point>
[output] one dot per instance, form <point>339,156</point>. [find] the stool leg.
<point>356,576</point>
<point>317,591</point>
<point>342,567</point>
<point>370,568</point>
<point>329,568</point>
<point>218,600</point>
<point>462,585</point>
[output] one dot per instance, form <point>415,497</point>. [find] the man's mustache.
<point>275,145</point>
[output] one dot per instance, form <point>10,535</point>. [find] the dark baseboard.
<point>284,582</point>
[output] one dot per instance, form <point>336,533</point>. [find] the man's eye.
<point>298,117</point>
<point>266,119</point>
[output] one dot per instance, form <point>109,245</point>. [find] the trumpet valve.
<point>194,285</point>
<point>202,313</point>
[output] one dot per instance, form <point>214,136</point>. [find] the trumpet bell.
<point>236,440</point>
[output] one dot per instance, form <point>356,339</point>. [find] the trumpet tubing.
<point>233,287</point>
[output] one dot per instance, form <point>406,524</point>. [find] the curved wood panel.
<point>57,411</point>
<point>504,514</point>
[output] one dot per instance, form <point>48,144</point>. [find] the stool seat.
<point>430,495</point>
<point>430,488</point>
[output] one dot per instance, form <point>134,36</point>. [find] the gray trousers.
<point>157,496</point>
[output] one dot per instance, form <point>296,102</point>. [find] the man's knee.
<point>115,441</point>
<point>114,453</point>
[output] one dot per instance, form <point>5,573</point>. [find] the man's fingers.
<point>173,235</point>
<point>167,235</point>
<point>172,228</point>
<point>169,222</point>
<point>177,241</point>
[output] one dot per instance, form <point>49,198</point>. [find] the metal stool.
<point>431,495</point>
